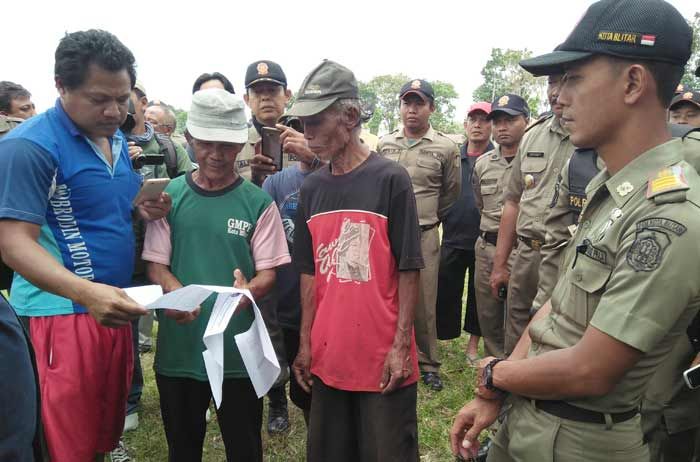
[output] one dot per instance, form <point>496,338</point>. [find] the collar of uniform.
<point>636,173</point>
<point>555,126</point>
<point>497,155</point>
<point>65,120</point>
<point>429,135</point>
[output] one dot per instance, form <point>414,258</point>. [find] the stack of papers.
<point>254,344</point>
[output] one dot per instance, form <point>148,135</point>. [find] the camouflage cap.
<point>325,85</point>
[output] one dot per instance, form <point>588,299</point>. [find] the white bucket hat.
<point>217,115</point>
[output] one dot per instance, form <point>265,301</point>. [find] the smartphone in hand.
<point>151,189</point>
<point>271,145</point>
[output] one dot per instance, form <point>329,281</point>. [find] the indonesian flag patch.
<point>648,40</point>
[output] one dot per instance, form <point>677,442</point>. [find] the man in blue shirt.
<point>65,229</point>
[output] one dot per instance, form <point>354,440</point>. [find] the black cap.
<point>639,29</point>
<point>510,104</point>
<point>265,71</point>
<point>692,97</point>
<point>420,87</point>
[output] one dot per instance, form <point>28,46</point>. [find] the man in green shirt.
<point>624,298</point>
<point>221,228</point>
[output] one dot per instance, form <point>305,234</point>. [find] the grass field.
<point>435,413</point>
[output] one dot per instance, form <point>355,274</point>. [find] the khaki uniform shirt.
<point>626,270</point>
<point>491,174</point>
<point>248,151</point>
<point>560,227</point>
<point>8,123</point>
<point>434,166</point>
<point>544,150</point>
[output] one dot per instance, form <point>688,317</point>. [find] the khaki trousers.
<point>532,435</point>
<point>426,330</point>
<point>522,289</point>
<point>491,311</point>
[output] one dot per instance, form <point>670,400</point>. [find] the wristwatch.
<point>488,375</point>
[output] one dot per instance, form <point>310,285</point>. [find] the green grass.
<point>435,413</point>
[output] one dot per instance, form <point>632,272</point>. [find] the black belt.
<point>534,244</point>
<point>490,237</point>
<point>425,228</point>
<point>568,411</point>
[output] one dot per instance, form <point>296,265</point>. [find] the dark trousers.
<point>21,434</point>
<point>183,405</point>
<point>134,398</point>
<point>299,397</point>
<point>361,426</point>
<point>453,267</point>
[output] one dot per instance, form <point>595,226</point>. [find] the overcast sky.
<point>174,42</point>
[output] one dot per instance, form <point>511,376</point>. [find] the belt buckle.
<point>536,244</point>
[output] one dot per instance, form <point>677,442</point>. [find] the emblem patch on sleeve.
<point>647,250</point>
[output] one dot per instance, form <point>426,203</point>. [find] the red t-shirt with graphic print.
<point>354,233</point>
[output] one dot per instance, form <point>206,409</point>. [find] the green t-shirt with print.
<point>210,233</point>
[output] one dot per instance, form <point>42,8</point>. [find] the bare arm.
<point>161,275</point>
<point>302,363</point>
<point>21,251</point>
<point>259,286</point>
<point>571,372</point>
<point>397,365</point>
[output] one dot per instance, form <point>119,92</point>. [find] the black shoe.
<point>432,379</point>
<point>277,419</point>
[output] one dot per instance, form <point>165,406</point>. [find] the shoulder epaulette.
<point>667,180</point>
<point>487,155</point>
<point>539,121</point>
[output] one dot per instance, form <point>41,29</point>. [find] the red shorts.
<point>84,373</point>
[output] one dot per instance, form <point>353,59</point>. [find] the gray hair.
<point>345,105</point>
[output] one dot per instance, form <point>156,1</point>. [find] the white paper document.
<point>183,299</point>
<point>214,341</point>
<point>143,295</point>
<point>254,344</point>
<point>258,354</point>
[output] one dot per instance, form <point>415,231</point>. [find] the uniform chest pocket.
<point>589,276</point>
<point>533,164</point>
<point>429,161</point>
<point>489,196</point>
<point>391,153</point>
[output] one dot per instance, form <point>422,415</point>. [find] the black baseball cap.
<point>650,30</point>
<point>510,104</point>
<point>418,86</point>
<point>265,71</point>
<point>325,85</point>
<point>692,97</point>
